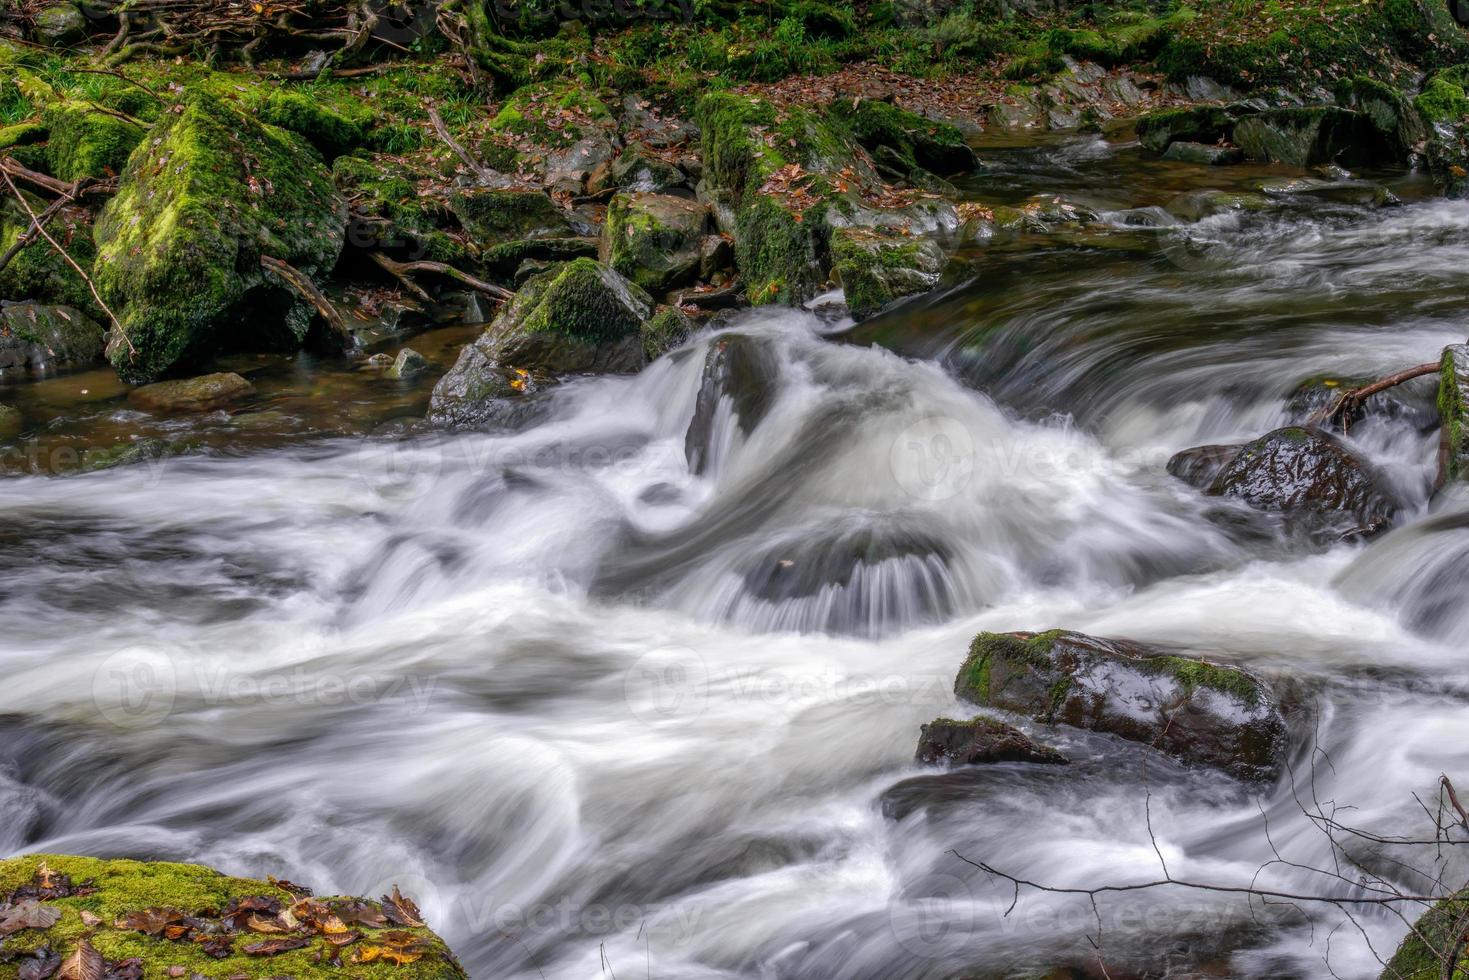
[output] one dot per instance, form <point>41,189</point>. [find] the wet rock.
<point>875,270</point>
<point>131,453</point>
<point>1390,112</point>
<point>668,328</point>
<point>1207,124</point>
<point>567,169</point>
<point>637,168</point>
<point>407,365</point>
<point>716,255</point>
<point>656,240</point>
<point>201,394</point>
<point>1197,205</point>
<point>1403,403</point>
<point>59,24</point>
<point>978,741</point>
<point>1200,712</point>
<point>1453,407</point>
<point>508,256</point>
<point>1201,465</point>
<point>1203,154</point>
<point>1436,938</point>
<point>494,216</point>
<point>1310,477</point>
<point>12,423</point>
<point>42,338</point>
<point>1307,136</point>
<point>479,393</point>
<point>1361,193</point>
<point>740,378</point>
<point>179,246</point>
<point>916,143</point>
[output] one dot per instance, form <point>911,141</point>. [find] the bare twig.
<point>402,269</point>
<point>1349,401</point>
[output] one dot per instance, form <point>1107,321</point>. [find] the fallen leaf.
<point>398,957</point>
<point>29,914</point>
<point>401,911</point>
<point>85,963</point>
<point>151,921</point>
<point>90,919</point>
<point>39,967</point>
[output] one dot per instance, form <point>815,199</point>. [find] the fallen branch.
<point>480,171</point>
<point>29,235</point>
<point>14,168</point>
<point>396,270</point>
<point>405,269</point>
<point>303,285</point>
<point>1341,408</point>
<point>36,223</point>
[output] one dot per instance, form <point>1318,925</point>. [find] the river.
<point>604,716</point>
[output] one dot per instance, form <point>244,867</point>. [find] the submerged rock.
<point>407,365</point>
<point>656,240</point>
<point>1453,407</point>
<point>876,269</point>
<point>977,741</point>
<point>121,918</point>
<point>12,423</point>
<point>1305,137</point>
<point>1203,154</point>
<point>1307,475</point>
<point>179,246</point>
<point>39,338</point>
<point>1203,713</point>
<point>202,394</point>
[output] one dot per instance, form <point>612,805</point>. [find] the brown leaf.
<point>39,967</point>
<point>151,921</point>
<point>85,963</point>
<point>216,946</point>
<point>358,912</point>
<point>274,947</point>
<point>27,915</point>
<point>401,911</point>
<point>399,957</point>
<point>90,919</point>
<point>255,922</point>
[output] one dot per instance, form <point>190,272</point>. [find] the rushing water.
<point>602,716</point>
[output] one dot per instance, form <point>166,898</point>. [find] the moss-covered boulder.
<point>668,328</point>
<point>876,269</point>
<point>1444,98</point>
<point>59,24</point>
<point>1195,124</point>
<point>977,741</point>
<point>208,194</point>
<point>1434,947</point>
<point>639,168</point>
<point>581,316</point>
<point>332,131</point>
<point>1453,408</point>
<point>85,142</point>
<point>1312,479</point>
<point>156,919</point>
<point>492,216</point>
<point>201,394</point>
<point>1305,137</point>
<point>39,338</point>
<point>655,240</point>
<point>919,143</point>
<point>1389,111</point>
<point>1203,713</point>
<point>384,192</point>
<point>38,272</point>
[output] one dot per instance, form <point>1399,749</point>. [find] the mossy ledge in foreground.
<point>158,919</point>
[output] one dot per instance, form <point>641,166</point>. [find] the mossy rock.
<point>978,741</point>
<point>1453,409</point>
<point>333,133</point>
<point>655,239</point>
<point>781,253</point>
<point>1203,713</point>
<point>179,247</point>
<point>38,272</point>
<point>22,134</point>
<point>1437,935</point>
<point>1305,137</point>
<point>922,144</point>
<point>1391,112</point>
<point>1444,98</point>
<point>85,142</point>
<point>875,269</point>
<point>59,25</point>
<point>1194,124</point>
<point>492,217</point>
<point>105,893</point>
<point>668,328</point>
<point>385,189</point>
<point>39,337</point>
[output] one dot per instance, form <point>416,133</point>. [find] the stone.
<point>1308,136</point>
<point>38,273</point>
<point>643,123</point>
<point>716,255</point>
<point>656,240</point>
<point>407,365</point>
<point>876,270</point>
<point>568,168</point>
<point>201,394</point>
<point>1207,124</point>
<point>41,338</point>
<point>207,195</point>
<point>1203,154</point>
<point>492,217</point>
<point>740,378</point>
<point>12,422</point>
<point>915,143</point>
<point>978,741</point>
<point>668,328</point>
<point>1453,408</point>
<point>1389,111</point>
<point>637,168</point>
<point>59,25</point>
<point>1361,193</point>
<point>1203,713</point>
<point>87,143</point>
<point>1435,939</point>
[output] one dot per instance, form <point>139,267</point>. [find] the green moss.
<point>1019,649</point>
<point>179,246</point>
<point>875,270</point>
<point>667,329</point>
<point>22,134</point>
<point>38,272</point>
<point>491,216</point>
<point>87,143</point>
<point>330,131</point>
<point>921,143</point>
<point>585,300</point>
<point>1436,934</point>
<point>132,886</point>
<point>1442,100</point>
<point>1453,408</point>
<point>1192,124</point>
<point>778,252</point>
<point>1194,674</point>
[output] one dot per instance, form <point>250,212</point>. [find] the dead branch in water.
<point>303,285</point>
<point>1341,408</point>
<point>404,270</point>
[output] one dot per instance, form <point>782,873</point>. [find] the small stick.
<point>478,285</point>
<point>303,285</point>
<point>1348,401</point>
<point>478,169</point>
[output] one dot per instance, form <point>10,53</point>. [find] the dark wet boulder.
<point>491,216</point>
<point>876,269</point>
<point>1312,135</point>
<point>1311,477</point>
<point>479,393</point>
<point>977,741</point>
<point>656,240</point>
<point>201,394</point>
<point>1201,465</point>
<point>740,379</point>
<point>1436,938</point>
<point>1206,124</point>
<point>668,328</point>
<point>1203,154</point>
<point>1200,712</point>
<point>915,142</point>
<point>1453,407</point>
<point>1357,193</point>
<point>179,247</point>
<point>42,338</point>
<point>1410,404</point>
<point>1389,111</point>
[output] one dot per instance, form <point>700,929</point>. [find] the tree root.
<point>1339,412</point>
<point>308,290</point>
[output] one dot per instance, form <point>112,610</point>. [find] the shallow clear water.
<point>602,716</point>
